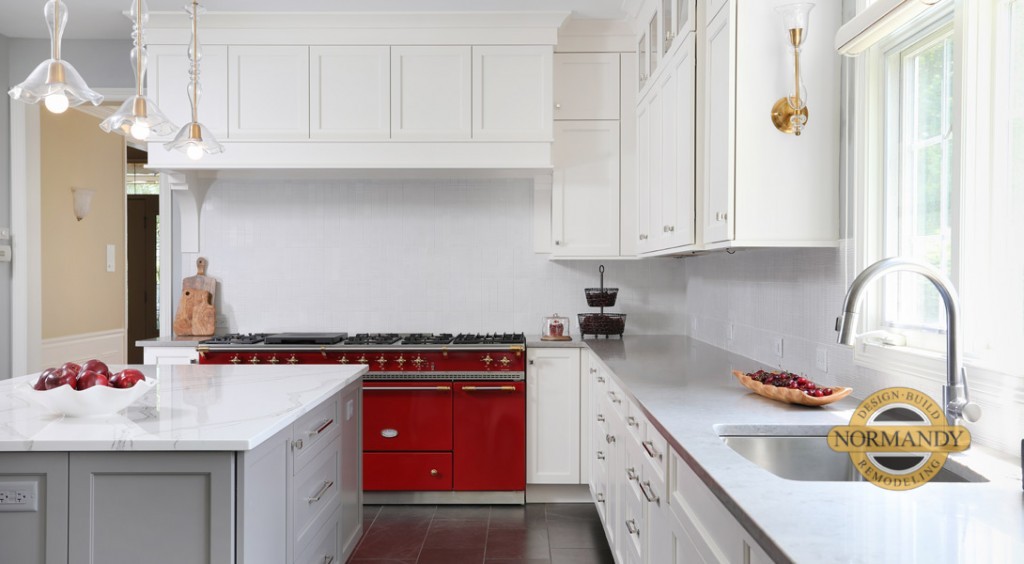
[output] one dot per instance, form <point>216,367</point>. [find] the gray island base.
<point>246,464</point>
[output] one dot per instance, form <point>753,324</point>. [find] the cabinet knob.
<point>721,216</point>
<point>434,472</point>
<point>558,106</point>
<point>557,243</point>
<point>643,236</point>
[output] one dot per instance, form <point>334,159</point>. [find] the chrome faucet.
<point>958,407</point>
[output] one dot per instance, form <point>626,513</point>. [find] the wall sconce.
<point>789,114</point>
<point>83,201</point>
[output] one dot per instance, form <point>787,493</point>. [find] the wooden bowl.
<point>789,395</point>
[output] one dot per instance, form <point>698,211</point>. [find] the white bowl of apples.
<point>88,390</point>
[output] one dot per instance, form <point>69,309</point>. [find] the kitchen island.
<point>215,464</point>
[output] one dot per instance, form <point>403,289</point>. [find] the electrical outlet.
<point>111,265</point>
<point>19,496</point>
<point>777,346</point>
<point>821,359</point>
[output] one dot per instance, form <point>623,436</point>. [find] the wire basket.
<point>601,297</point>
<point>602,323</point>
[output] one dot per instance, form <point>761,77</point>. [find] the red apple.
<point>71,366</point>
<point>94,365</point>
<point>61,377</point>
<point>89,378</point>
<point>126,378</point>
<point>41,382</point>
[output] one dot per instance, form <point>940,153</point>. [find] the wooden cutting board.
<point>197,314</point>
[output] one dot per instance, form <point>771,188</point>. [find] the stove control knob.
<point>292,360</point>
<point>382,361</point>
<point>273,360</point>
<point>505,361</point>
<point>487,360</point>
<point>401,362</point>
<point>418,362</point>
<point>343,359</point>
<point>235,360</point>
<point>254,360</point>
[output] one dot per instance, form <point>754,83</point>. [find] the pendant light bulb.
<point>57,103</point>
<point>194,151</point>
<point>140,130</point>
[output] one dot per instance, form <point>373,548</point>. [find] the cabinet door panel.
<point>643,138</point>
<point>684,203</point>
<point>350,93</point>
<point>168,82</point>
<point>168,507</point>
<point>489,439</point>
<point>586,86</point>
<point>718,189</point>
<point>553,416</point>
<point>431,93</point>
<point>667,160</point>
<point>585,194</point>
<point>36,537</point>
<point>269,92</point>
<point>512,93</point>
<point>656,165</point>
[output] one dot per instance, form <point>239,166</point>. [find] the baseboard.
<point>107,346</point>
<point>558,493</point>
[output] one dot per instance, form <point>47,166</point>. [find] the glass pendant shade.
<point>138,117</point>
<point>55,81</point>
<point>194,139</point>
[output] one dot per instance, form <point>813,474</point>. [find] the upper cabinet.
<point>430,93</point>
<point>268,92</point>
<point>350,93</point>
<point>586,86</point>
<point>512,92</point>
<point>168,82</point>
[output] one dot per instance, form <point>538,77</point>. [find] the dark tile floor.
<point>473,534</point>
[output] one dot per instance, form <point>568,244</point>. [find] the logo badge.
<point>898,438</point>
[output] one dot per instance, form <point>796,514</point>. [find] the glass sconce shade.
<point>82,199</point>
<point>138,117</point>
<point>795,18</point>
<point>55,81</point>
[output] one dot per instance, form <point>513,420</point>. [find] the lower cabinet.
<point>295,498</point>
<point>654,508</point>
<point>553,416</point>
<point>169,355</point>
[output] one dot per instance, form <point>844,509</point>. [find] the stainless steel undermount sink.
<point>802,453</point>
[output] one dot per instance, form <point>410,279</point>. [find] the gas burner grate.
<point>236,339</point>
<point>490,339</point>
<point>428,339</point>
<point>373,339</point>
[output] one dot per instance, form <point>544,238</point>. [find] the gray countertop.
<point>686,389</point>
<point>170,342</point>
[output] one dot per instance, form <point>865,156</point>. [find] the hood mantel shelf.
<point>364,91</point>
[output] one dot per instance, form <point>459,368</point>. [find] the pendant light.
<point>55,81</point>
<point>138,117</point>
<point>194,139</point>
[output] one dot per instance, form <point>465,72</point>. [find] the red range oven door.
<point>407,416</point>
<point>407,471</point>
<point>490,436</point>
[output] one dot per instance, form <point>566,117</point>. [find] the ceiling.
<point>101,19</point>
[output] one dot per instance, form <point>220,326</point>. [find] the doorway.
<point>143,228</point>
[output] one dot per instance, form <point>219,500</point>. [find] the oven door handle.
<point>489,388</point>
<point>408,389</point>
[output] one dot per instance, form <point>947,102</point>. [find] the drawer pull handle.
<point>600,379</point>
<point>323,489</point>
<point>600,498</point>
<point>600,418</point>
<point>323,426</point>
<point>648,492</point>
<point>631,421</point>
<point>329,559</point>
<point>593,371</point>
<point>615,398</point>
<point>408,389</point>
<point>489,388</point>
<point>600,455</point>
<point>609,439</point>
<point>632,528</point>
<point>651,451</point>
<point>631,474</point>
<point>297,444</point>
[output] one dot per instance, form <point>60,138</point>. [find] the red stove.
<point>444,416</point>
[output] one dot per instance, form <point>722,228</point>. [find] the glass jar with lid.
<point>555,328</point>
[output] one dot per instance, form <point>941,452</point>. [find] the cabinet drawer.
<point>407,471</point>
<point>323,546</point>
<point>656,448</point>
<point>636,423</point>
<point>706,522</point>
<point>616,399</point>
<point>316,491</point>
<point>313,431</point>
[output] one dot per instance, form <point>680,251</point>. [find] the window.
<point>941,154</point>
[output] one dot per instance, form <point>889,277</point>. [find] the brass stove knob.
<point>343,359</point>
<point>487,360</point>
<point>273,360</point>
<point>235,360</point>
<point>382,361</point>
<point>292,360</point>
<point>254,360</point>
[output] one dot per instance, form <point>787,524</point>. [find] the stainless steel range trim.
<point>381,376</point>
<point>444,498</point>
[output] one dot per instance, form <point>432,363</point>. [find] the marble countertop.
<point>687,391</point>
<point>192,407</point>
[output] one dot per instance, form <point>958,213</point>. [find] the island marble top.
<point>192,408</point>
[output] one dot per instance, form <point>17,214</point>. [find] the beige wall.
<point>79,295</point>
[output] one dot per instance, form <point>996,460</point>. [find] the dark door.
<point>143,211</point>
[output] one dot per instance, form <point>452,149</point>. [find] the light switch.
<point>110,257</point>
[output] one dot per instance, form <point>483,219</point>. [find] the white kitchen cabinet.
<point>431,93</point>
<point>169,355</point>
<point>512,93</point>
<point>553,416</point>
<point>586,86</point>
<point>168,80</point>
<point>350,93</point>
<point>585,194</point>
<point>268,92</point>
<point>643,175</point>
<point>764,188</point>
